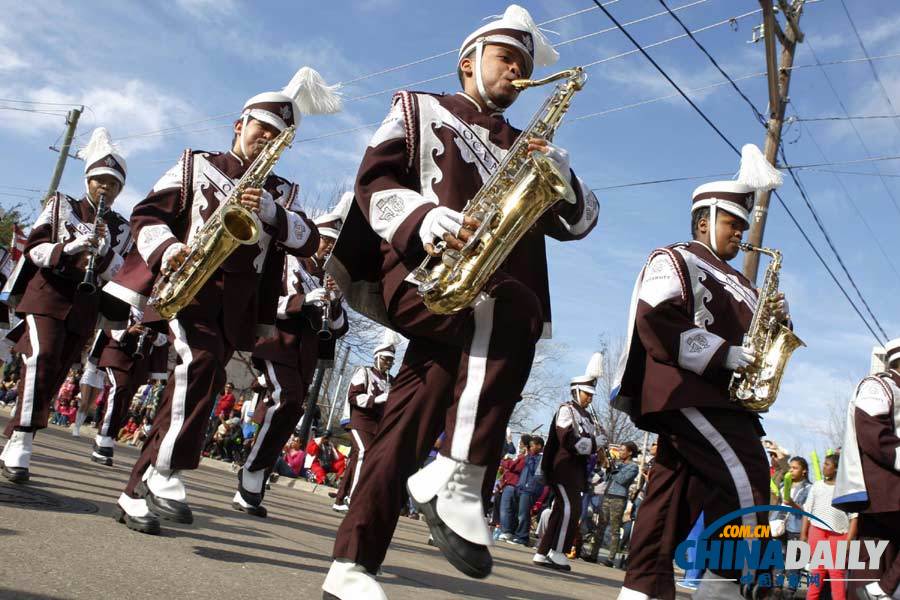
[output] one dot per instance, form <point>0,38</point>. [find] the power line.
<point>585,66</point>
<point>759,116</point>
<point>735,149</point>
<point>34,110</point>
<point>871,65</point>
<point>39,102</point>
<point>848,118</point>
<point>859,136</point>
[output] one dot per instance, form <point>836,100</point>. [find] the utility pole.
<point>779,85</point>
<point>72,124</point>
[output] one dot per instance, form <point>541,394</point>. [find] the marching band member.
<point>288,359</point>
<point>129,357</point>
<point>366,398</point>
<point>868,477</point>
<point>574,436</point>
<point>689,313</point>
<point>45,292</point>
<point>462,373</point>
<point>242,293</point>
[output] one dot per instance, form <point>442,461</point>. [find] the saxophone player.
<point>238,301</point>
<point>288,358</point>
<point>59,318</point>
<point>461,373</point>
<point>689,313</point>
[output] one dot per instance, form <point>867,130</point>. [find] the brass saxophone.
<point>755,387</point>
<point>229,227</point>
<point>522,188</point>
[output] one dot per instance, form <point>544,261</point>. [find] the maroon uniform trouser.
<point>278,420</point>
<point>563,523</point>
<point>49,347</point>
<point>176,438</point>
<point>123,384</point>
<point>879,526</point>
<point>462,374</point>
<point>708,460</point>
<point>359,441</point>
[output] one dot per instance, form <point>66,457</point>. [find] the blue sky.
<point>165,77</point>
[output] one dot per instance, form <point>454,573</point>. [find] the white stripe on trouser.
<point>567,514</point>
<point>110,401</point>
<point>735,467</point>
<point>359,462</point>
<point>270,413</point>
<point>467,407</point>
<point>179,396</point>
<point>30,374</point>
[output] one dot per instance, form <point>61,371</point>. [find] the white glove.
<point>315,296</point>
<point>103,247</point>
<point>584,446</point>
<point>560,158</point>
<point>79,244</point>
<point>380,398</point>
<point>170,252</point>
<point>267,210</point>
<point>738,358</point>
<point>437,222</point>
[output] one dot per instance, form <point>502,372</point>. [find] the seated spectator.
<point>140,434</point>
<point>322,459</point>
<point>290,463</point>
<point>128,430</point>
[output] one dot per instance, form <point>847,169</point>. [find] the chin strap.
<point>712,228</point>
<point>479,80</point>
<point>244,121</point>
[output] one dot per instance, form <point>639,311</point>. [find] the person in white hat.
<point>237,303</point>
<point>311,318</point>
<point>690,310</point>
<point>428,158</point>
<point>868,476</point>
<point>44,290</point>
<point>573,437</point>
<point>364,407</point>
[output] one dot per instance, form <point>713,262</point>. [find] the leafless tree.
<point>617,426</point>
<point>545,390</point>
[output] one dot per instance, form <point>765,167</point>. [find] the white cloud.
<point>208,9</point>
<point>133,107</point>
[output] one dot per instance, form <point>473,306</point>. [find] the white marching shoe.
<point>553,559</point>
<point>165,495</point>
<point>16,456</point>
<point>347,580</point>
<point>447,493</point>
<point>136,515</point>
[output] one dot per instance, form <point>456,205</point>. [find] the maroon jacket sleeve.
<point>42,246</point>
<point>159,219</point>
<point>387,186</point>
<point>875,431</point>
<point>359,394</point>
<point>664,319</point>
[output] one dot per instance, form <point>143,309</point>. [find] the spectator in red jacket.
<point>323,458</point>
<point>509,502</point>
<point>226,401</point>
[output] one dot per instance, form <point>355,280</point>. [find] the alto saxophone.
<point>522,188</point>
<point>755,387</point>
<point>230,226</point>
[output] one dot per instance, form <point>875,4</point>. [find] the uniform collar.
<point>477,105</point>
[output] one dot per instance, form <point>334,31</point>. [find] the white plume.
<point>312,95</point>
<point>390,337</point>
<point>544,53</point>
<point>756,171</point>
<point>99,146</point>
<point>595,366</point>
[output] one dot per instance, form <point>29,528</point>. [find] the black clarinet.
<point>138,353</point>
<point>324,332</point>
<point>88,285</point>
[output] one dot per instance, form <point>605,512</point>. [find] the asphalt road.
<point>58,540</point>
